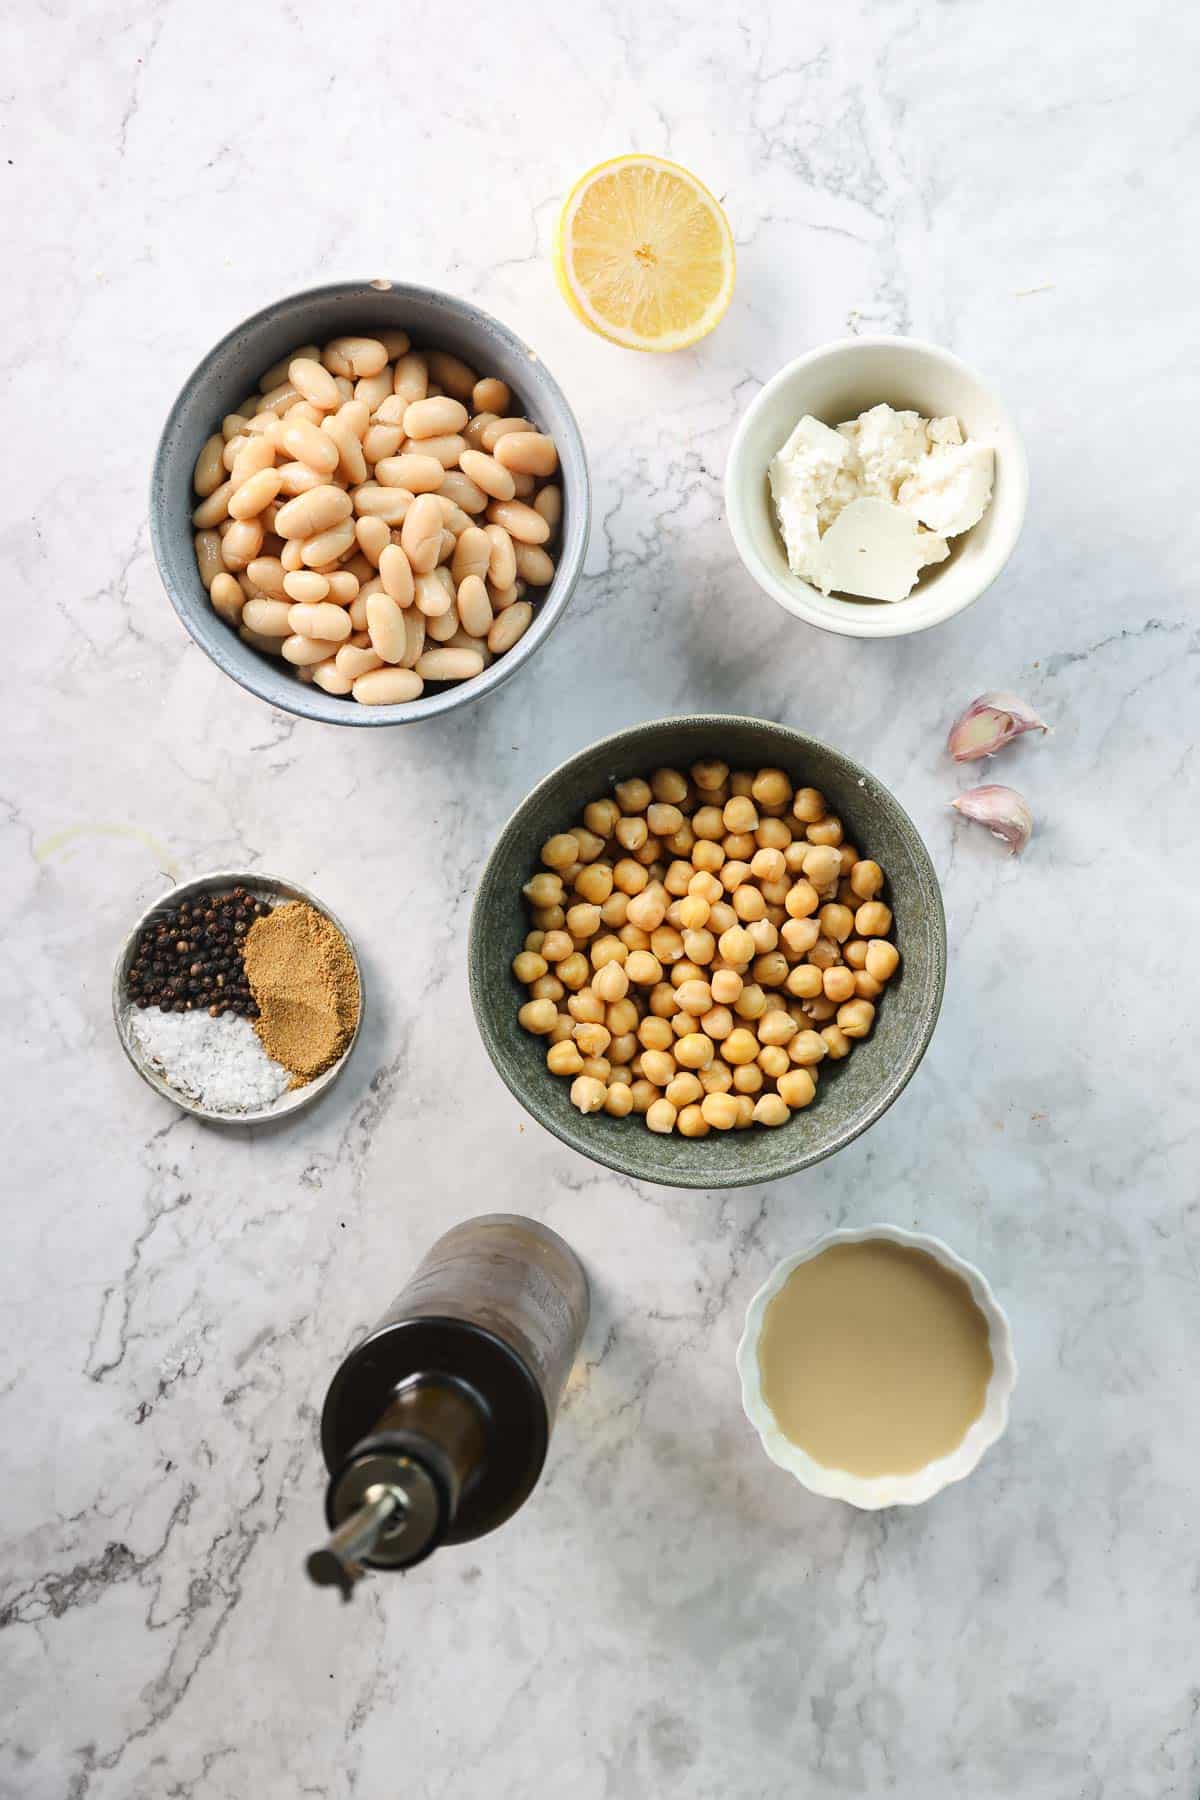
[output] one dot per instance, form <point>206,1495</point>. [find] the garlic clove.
<point>990,722</point>
<point>1005,813</point>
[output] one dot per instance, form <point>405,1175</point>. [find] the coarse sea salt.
<point>217,1062</point>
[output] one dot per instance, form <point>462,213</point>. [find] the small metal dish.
<point>262,887</point>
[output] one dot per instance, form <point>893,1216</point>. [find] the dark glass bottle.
<point>436,1426</point>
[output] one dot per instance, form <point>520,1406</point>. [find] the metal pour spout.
<point>339,1562</point>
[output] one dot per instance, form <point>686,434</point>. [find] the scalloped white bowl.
<point>882,1490</point>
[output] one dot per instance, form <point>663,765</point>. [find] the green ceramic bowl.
<point>853,1093</point>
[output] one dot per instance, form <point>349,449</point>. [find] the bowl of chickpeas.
<point>708,951</point>
<point>370,503</point>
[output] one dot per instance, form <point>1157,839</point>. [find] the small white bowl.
<point>882,1490</point>
<point>836,383</point>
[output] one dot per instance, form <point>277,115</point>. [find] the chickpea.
<point>836,1042</point>
<point>740,845</point>
<point>808,805</point>
<point>773,834</point>
<point>776,1028</point>
<point>585,1007</point>
<point>663,820</point>
<point>588,1094</point>
<point>681,1024</point>
<point>708,823</point>
<point>745,1112</point>
<point>608,949</point>
<point>827,831</point>
<point>740,814</point>
<point>838,983</point>
<point>837,922</point>
<point>654,1033</point>
<point>751,1002</point>
<point>709,775</point>
<point>692,1123</point>
<point>558,852</point>
<point>573,971</point>
<point>799,935</point>
<point>740,1046</point>
<point>563,1058</point>
<point>771,787</point>
<point>594,883</point>
<point>544,890</point>
<point>683,841</point>
<point>614,910</point>
<point>658,1066</point>
<point>683,1089</point>
<point>821,864</point>
<point>618,1101</point>
<point>807,1049</point>
<point>769,1109</point>
<point>707,856</point>
<point>538,1016</point>
<point>631,833</point>
<point>824,954</point>
<point>717,1078</point>
<point>856,1018</point>
<point>648,909</point>
<point>770,970</point>
<point>664,1003</point>
<point>873,919</point>
<point>802,899</point>
<point>717,1023</point>
<point>726,985</point>
<point>736,945</point>
<point>772,1059</point>
<point>768,866</point>
<point>748,1078</point>
<point>661,1117</point>
<point>694,997</point>
<point>866,878</point>
<point>621,1016</point>
<point>749,905</point>
<point>534,940</point>
<point>694,1051</point>
<point>622,1050</point>
<point>820,1010</point>
<point>849,856</point>
<point>720,917</point>
<point>882,960</point>
<point>630,876</point>
<point>548,918</point>
<point>601,816</point>
<point>797,1089</point>
<point>610,981</point>
<point>866,986</point>
<point>669,786</point>
<point>854,953</point>
<point>733,873</point>
<point>583,920</point>
<point>644,1095</point>
<point>634,938</point>
<point>643,969</point>
<point>528,965</point>
<point>591,847</point>
<point>693,912</point>
<point>564,1028</point>
<point>700,947</point>
<point>633,796</point>
<point>667,945</point>
<point>720,1111</point>
<point>740,781</point>
<point>598,1067</point>
<point>546,987</point>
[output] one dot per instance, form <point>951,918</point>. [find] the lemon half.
<point>644,254</point>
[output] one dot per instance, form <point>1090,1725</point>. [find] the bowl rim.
<point>292,1100</point>
<point>451,697</point>
<point>883,621</point>
<point>913,1489</point>
<point>634,1167</point>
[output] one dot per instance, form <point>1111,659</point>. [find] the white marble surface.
<point>669,1616</point>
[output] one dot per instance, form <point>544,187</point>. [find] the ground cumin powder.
<point>303,978</point>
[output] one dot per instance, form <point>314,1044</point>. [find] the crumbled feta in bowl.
<point>863,509</point>
<point>875,468</point>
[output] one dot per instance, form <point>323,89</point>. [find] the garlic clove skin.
<point>1005,813</point>
<point>990,722</point>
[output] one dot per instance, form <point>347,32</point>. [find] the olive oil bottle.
<point>436,1425</point>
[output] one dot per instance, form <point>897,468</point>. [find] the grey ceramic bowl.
<point>232,370</point>
<point>853,1093</point>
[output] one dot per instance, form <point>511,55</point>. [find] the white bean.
<point>387,687</point>
<point>449,665</point>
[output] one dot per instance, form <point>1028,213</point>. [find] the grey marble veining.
<point>670,1615</point>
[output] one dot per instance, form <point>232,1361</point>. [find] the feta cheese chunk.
<point>875,550</point>
<point>863,509</point>
<point>951,488</point>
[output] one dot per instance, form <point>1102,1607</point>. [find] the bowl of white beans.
<point>708,951</point>
<point>370,503</point>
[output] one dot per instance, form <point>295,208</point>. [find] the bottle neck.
<point>396,1494</point>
